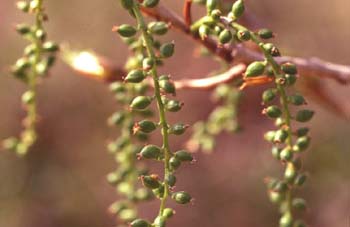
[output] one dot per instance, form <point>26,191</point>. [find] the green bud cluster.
<point>287,144</point>
<point>148,53</point>
<point>38,57</point>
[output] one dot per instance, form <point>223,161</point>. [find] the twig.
<point>187,12</point>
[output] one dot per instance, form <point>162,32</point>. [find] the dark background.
<point>62,180</point>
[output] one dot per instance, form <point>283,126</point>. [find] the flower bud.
<point>215,14</point>
<point>22,64</point>
<point>178,129</point>
<point>167,50</point>
<point>145,126</point>
<point>147,64</point>
<point>297,100</point>
<point>23,29</point>
<point>238,9</point>
<point>50,47</point>
<point>127,4</point>
<point>301,144</point>
<point>150,3</point>
<point>171,180</point>
<point>23,6</point>
<point>290,172</point>
<point>276,197</point>
<point>140,102</point>
<point>160,221</point>
<point>271,49</point>
<point>304,115</point>
<point>243,35</point>
<point>275,151</point>
<point>28,97</point>
<point>290,79</point>
<point>139,223</point>
<point>168,212</point>
<point>280,136</point>
<point>126,30</point>
<point>211,5</point>
<point>151,152</point>
<point>151,181</point>
<point>181,197</point>
<point>269,136</point>
<point>174,163</point>
<point>167,86</point>
<point>225,36</point>
<point>265,33</point>
<point>135,76</point>
<point>299,204</point>
<point>203,31</point>
<point>286,154</point>
<point>184,156</point>
<point>158,27</point>
<point>272,111</point>
<point>286,220</point>
<point>289,68</point>
<point>255,69</point>
<point>173,105</point>
<point>40,34</point>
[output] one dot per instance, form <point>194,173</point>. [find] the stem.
<point>161,109</point>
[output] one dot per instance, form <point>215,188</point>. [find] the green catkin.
<point>38,58</point>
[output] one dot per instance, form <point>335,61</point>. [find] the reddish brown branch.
<point>187,12</point>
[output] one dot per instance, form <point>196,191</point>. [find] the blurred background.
<point>62,180</point>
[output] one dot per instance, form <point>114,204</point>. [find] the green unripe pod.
<point>171,180</point>
<point>286,220</point>
<point>151,181</point>
<point>174,163</point>
<point>289,68</point>
<point>279,122</point>
<point>301,144</point>
<point>160,222</point>
<point>304,115</point>
<point>203,31</point>
<point>22,64</point>
<point>300,179</point>
<point>167,50</point>
<point>280,186</point>
<point>159,192</point>
<point>237,9</point>
<point>145,126</point>
<point>275,151</point>
<point>113,179</point>
<point>50,47</point>
<point>299,204</point>
<point>184,156</point>
<point>256,68</point>
<point>271,49</point>
<point>117,118</point>
<point>302,132</point>
<point>143,194</point>
<point>127,215</point>
<point>126,30</point>
<point>168,212</point>
<point>139,223</point>
<point>151,152</point>
<point>167,86</point>
<point>286,154</point>
<point>265,33</point>
<point>147,64</point>
<point>178,129</point>
<point>216,14</point>
<point>173,105</point>
<point>225,36</point>
<point>290,173</point>
<point>297,100</point>
<point>243,35</point>
<point>181,197</point>
<point>23,29</point>
<point>273,111</point>
<point>270,136</point>
<point>269,95</point>
<point>117,207</point>
<point>211,5</point>
<point>23,6</point>
<point>28,97</point>
<point>117,87</point>
<point>135,76</point>
<point>276,197</point>
<point>150,3</point>
<point>158,27</point>
<point>127,4</point>
<point>290,79</point>
<point>140,102</point>
<point>280,136</point>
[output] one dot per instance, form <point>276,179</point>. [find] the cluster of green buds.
<point>38,57</point>
<point>288,144</point>
<point>224,118</point>
<point>148,54</point>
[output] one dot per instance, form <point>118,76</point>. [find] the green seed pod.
<point>171,180</point>
<point>135,76</point>
<point>225,36</point>
<point>184,156</point>
<point>167,86</point>
<point>174,163</point>
<point>126,30</point>
<point>211,5</point>
<point>143,194</point>
<point>50,47</point>
<point>269,95</point>
<point>299,204</point>
<point>167,50</point>
<point>243,35</point>
<point>280,136</point>
<point>117,87</point>
<point>304,115</point>
<point>217,30</point>
<point>173,105</point>
<point>40,34</point>
<point>270,136</point>
<point>139,223</point>
<point>297,100</point>
<point>279,122</point>
<point>168,212</point>
<point>150,3</point>
<point>290,173</point>
<point>178,129</point>
<point>289,68</point>
<point>299,223</point>
<point>28,97</point>
<point>151,181</point>
<point>300,179</point>
<point>302,132</point>
<point>286,220</point>
<point>297,163</point>
<point>113,178</point>
<point>23,6</point>
<point>280,186</point>
<point>256,68</point>
<point>140,102</point>
<point>160,221</point>
<point>290,79</point>
<point>151,152</point>
<point>127,215</point>
<point>22,64</point>
<point>127,4</point>
<point>265,33</point>
<point>238,9</point>
<point>181,197</point>
<point>273,111</point>
<point>301,144</point>
<point>271,49</point>
<point>275,151</point>
<point>159,192</point>
<point>158,27</point>
<point>23,29</point>
<point>286,154</point>
<point>147,64</point>
<point>216,14</point>
<point>117,118</point>
<point>145,126</point>
<point>203,31</point>
<point>276,197</point>
<point>117,207</point>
